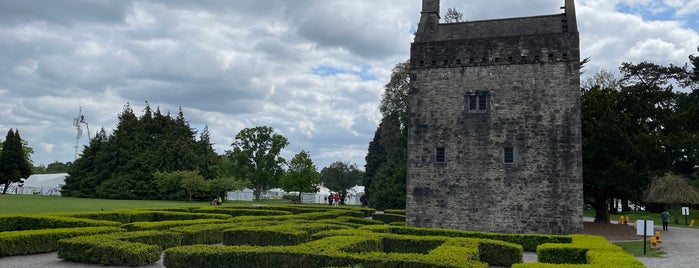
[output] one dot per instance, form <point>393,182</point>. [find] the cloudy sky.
<point>313,70</point>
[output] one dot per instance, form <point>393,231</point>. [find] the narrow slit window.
<point>440,157</point>
<point>509,155</point>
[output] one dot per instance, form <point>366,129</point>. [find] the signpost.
<point>685,212</point>
<point>644,228</point>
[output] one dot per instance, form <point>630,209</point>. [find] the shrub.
<point>126,249</point>
<point>36,222</point>
<point>41,241</point>
<point>395,211</point>
<point>388,218</point>
<point>164,225</point>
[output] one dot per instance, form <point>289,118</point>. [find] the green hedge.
<point>164,225</point>
<point>499,253</point>
<point>341,251</point>
<point>41,241</point>
<point>586,250</point>
<point>125,249</point>
<point>388,218</point>
<point>352,221</point>
<point>36,222</point>
<point>529,242</point>
<point>297,236</point>
<point>204,233</point>
<point>395,211</point>
<point>292,233</point>
<point>235,212</point>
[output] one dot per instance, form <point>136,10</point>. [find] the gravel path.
<point>681,248</point>
<point>51,260</point>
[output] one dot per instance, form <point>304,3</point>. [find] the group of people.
<point>334,199</point>
<point>216,201</point>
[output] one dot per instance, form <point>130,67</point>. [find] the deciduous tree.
<point>301,176</point>
<point>340,176</point>
<point>257,153</point>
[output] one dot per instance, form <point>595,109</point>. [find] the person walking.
<point>665,217</point>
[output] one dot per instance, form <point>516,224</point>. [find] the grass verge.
<point>635,248</point>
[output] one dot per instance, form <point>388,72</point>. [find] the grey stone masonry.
<point>494,139</point>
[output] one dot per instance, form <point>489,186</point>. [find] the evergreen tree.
<point>121,165</point>
<point>15,165</point>
<point>386,159</point>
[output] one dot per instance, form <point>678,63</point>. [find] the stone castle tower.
<point>494,139</point>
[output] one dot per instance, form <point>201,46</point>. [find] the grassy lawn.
<point>635,248</point>
<point>39,204</point>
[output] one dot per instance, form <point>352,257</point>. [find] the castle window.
<point>509,155</point>
<point>440,157</point>
<point>478,102</point>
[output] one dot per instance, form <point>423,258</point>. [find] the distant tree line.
<point>157,156</point>
<point>122,165</point>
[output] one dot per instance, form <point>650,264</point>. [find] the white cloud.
<point>313,70</point>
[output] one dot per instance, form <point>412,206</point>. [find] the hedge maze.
<point>287,236</point>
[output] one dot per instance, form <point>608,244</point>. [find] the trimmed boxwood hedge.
<point>300,236</point>
<point>45,240</point>
<point>529,242</point>
<point>584,249</point>
<point>126,249</point>
<point>128,216</point>
<point>388,218</point>
<point>242,212</point>
<point>340,251</point>
<point>164,225</point>
<point>36,222</point>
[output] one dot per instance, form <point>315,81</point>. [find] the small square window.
<point>509,155</point>
<point>440,157</point>
<point>478,102</point>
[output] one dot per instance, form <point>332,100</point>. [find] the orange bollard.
<point>626,219</point>
<point>621,219</point>
<point>657,237</point>
<point>691,224</point>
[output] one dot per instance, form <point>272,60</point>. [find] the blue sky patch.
<point>324,70</point>
<point>653,12</point>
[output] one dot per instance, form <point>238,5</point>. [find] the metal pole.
<point>645,229</point>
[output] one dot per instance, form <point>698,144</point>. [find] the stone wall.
<point>531,83</point>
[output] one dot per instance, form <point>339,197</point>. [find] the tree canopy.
<point>453,16</point>
<point>340,176</point>
<point>635,128</point>
<point>121,165</point>
<point>301,176</point>
<point>256,152</point>
<point>15,164</point>
<point>385,167</point>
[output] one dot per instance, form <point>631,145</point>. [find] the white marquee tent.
<point>46,184</point>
